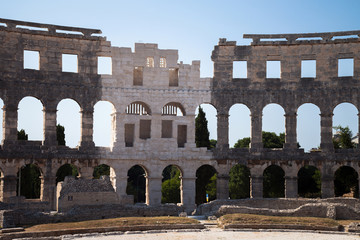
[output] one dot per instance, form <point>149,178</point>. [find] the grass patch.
<point>112,222</point>
<point>276,220</point>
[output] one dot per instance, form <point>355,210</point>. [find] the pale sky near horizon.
<point>192,27</point>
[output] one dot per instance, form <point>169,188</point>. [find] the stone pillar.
<point>327,187</point>
<point>222,186</point>
<point>48,190</point>
<point>291,187</point>
<point>50,138</point>
<point>153,191</point>
<point>10,115</point>
<point>290,131</point>
<point>188,193</point>
<point>190,141</point>
<point>256,131</point>
<point>222,131</point>
<point>120,189</point>
<point>256,186</point>
<point>118,132</point>
<point>86,172</point>
<point>9,190</point>
<point>326,144</point>
<point>156,126</point>
<point>86,129</point>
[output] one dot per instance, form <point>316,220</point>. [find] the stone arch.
<point>171,190</point>
<point>273,182</point>
<point>271,115</point>
<point>309,182</point>
<point>239,182</point>
<point>173,109</point>
<point>239,113</point>
<point>211,117</point>
<point>346,182</point>
<point>205,180</point>
<point>138,108</point>
<point>103,126</point>
<point>308,126</point>
<point>30,117</point>
<point>346,115</point>
<point>137,183</point>
<point>68,115</point>
<point>1,120</point>
<point>29,181</point>
<point>65,170</point>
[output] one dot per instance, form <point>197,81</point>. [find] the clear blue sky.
<point>194,27</point>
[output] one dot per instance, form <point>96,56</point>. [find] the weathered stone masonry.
<point>155,98</point>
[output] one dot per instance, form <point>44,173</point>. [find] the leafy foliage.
<point>274,182</point>
<point>66,170</point>
<point>101,170</point>
<point>346,181</point>
<point>170,187</point>
<point>309,182</point>
<point>201,130</point>
<point>136,183</point>
<point>30,182</point>
<point>343,140</point>
<point>239,184</point>
<point>205,183</point>
<point>271,140</point>
<point>22,135</point>
<point>213,143</point>
<point>60,135</point>
<point>242,143</point>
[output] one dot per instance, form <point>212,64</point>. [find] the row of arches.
<point>273,120</point>
<point>346,183</point>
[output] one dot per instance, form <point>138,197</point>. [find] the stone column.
<point>256,186</point>
<point>120,189</point>
<point>326,144</point>
<point>10,115</point>
<point>291,187</point>
<point>10,182</point>
<point>153,191</point>
<point>87,129</point>
<point>290,131</point>
<point>190,142</point>
<point>222,186</point>
<point>50,138</point>
<point>48,190</point>
<point>256,131</point>
<point>327,187</point>
<point>188,193</point>
<point>118,132</point>
<point>222,131</point>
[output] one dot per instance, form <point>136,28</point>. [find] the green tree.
<point>211,187</point>
<point>201,130</point>
<point>22,135</point>
<point>205,184</point>
<point>170,187</point>
<point>60,135</point>
<point>30,182</point>
<point>66,170</point>
<point>343,140</point>
<point>239,183</point>
<point>242,143</point>
<point>271,140</point>
<point>274,182</point>
<point>101,170</point>
<point>213,143</point>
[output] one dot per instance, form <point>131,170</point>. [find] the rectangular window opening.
<point>273,69</point>
<point>145,129</point>
<point>138,76</point>
<point>32,28</point>
<point>163,62</point>
<point>129,135</point>
<point>240,69</point>
<point>105,65</point>
<point>31,60</point>
<point>308,68</point>
<point>150,62</point>
<point>70,63</point>
<point>182,135</point>
<point>166,129</point>
<point>346,67</point>
<point>173,77</point>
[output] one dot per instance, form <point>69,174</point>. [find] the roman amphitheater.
<point>154,99</point>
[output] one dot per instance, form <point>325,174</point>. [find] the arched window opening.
<point>346,182</point>
<point>239,183</point>
<point>68,116</point>
<point>103,111</point>
<point>101,170</point>
<point>206,126</point>
<point>308,126</point>
<point>170,187</point>
<point>239,126</point>
<point>138,108</point>
<point>66,170</point>
<point>273,126</point>
<point>273,182</point>
<point>206,176</point>
<point>29,182</point>
<point>345,123</point>
<point>136,184</point>
<point>173,109</point>
<point>30,118</point>
<point>309,182</point>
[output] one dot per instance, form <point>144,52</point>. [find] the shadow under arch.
<point>239,182</point>
<point>66,170</point>
<point>273,182</point>
<point>206,176</point>
<point>136,183</point>
<point>346,182</point>
<point>309,182</point>
<point>29,182</point>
